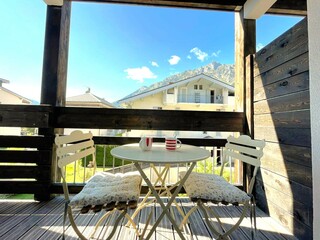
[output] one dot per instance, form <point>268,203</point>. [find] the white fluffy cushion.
<point>212,187</point>
<point>105,187</point>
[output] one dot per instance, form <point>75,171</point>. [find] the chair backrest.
<point>71,148</point>
<point>246,150</point>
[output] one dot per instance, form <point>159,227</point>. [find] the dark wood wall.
<point>281,113</point>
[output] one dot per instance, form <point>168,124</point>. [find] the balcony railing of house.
<point>27,162</point>
<point>199,98</point>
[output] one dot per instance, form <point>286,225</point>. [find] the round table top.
<point>159,154</point>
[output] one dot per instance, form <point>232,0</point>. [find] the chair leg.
<point>224,234</point>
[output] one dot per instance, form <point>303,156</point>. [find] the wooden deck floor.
<point>43,220</point>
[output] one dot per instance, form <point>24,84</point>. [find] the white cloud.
<point>174,60</point>
<point>140,74</point>
<point>199,54</point>
<point>216,54</point>
<point>189,57</point>
<point>155,64</point>
<point>259,46</point>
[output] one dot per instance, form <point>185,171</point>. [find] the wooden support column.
<point>245,44</point>
<point>54,71</point>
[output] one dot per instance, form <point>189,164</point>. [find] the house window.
<point>195,87</point>
<point>200,87</point>
<point>170,91</point>
<point>157,108</point>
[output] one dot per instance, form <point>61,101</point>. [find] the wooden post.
<point>54,71</point>
<point>245,44</point>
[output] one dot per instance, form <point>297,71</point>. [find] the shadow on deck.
<point>43,220</point>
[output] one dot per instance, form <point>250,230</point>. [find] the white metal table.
<point>159,155</point>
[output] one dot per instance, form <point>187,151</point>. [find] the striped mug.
<point>172,143</point>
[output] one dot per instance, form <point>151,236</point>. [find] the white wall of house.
<point>9,98</point>
<point>314,66</point>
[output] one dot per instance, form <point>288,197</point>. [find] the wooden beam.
<point>245,44</point>
<point>254,9</point>
<point>55,60</point>
<point>292,7</point>
<point>289,7</point>
<point>233,5</point>
<point>54,2</point>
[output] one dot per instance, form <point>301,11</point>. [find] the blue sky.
<point>116,49</point>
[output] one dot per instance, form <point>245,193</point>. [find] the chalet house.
<point>9,97</point>
<point>200,92</point>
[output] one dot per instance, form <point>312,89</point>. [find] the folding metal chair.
<point>112,192</point>
<point>203,188</point>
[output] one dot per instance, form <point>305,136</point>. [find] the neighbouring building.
<point>90,100</point>
<point>9,97</point>
<point>200,92</point>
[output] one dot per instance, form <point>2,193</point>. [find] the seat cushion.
<point>212,187</point>
<point>104,188</point>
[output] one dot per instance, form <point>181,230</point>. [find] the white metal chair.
<point>112,192</point>
<point>203,188</point>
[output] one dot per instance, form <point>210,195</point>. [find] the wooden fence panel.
<point>282,118</point>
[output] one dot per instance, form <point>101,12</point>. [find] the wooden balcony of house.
<point>272,96</point>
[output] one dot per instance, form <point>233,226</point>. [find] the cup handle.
<point>178,143</point>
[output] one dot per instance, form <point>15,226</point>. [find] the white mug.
<point>172,143</point>
<point>145,143</point>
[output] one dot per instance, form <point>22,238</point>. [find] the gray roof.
<point>88,97</point>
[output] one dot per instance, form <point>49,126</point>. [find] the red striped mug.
<point>172,143</point>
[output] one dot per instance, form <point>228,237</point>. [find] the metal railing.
<point>79,173</point>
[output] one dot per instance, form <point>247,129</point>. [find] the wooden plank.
<point>72,117</point>
<point>34,172</point>
<point>51,212</point>
<point>24,116</point>
<point>12,156</point>
<point>298,210</point>
<point>295,119</point>
<point>286,47</point>
<point>301,193</point>
<point>291,136</point>
<point>26,141</point>
<point>294,172</point>
<point>300,230</point>
<point>296,83</point>
<point>24,222</point>
<point>282,72</point>
<point>24,187</point>
<point>17,216</point>
<point>287,153</point>
<point>291,102</point>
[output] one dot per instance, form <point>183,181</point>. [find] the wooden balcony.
<point>43,220</point>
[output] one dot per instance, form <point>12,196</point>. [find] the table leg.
<point>164,207</point>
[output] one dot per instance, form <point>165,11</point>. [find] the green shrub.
<point>102,150</point>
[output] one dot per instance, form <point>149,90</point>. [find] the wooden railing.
<point>36,151</point>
